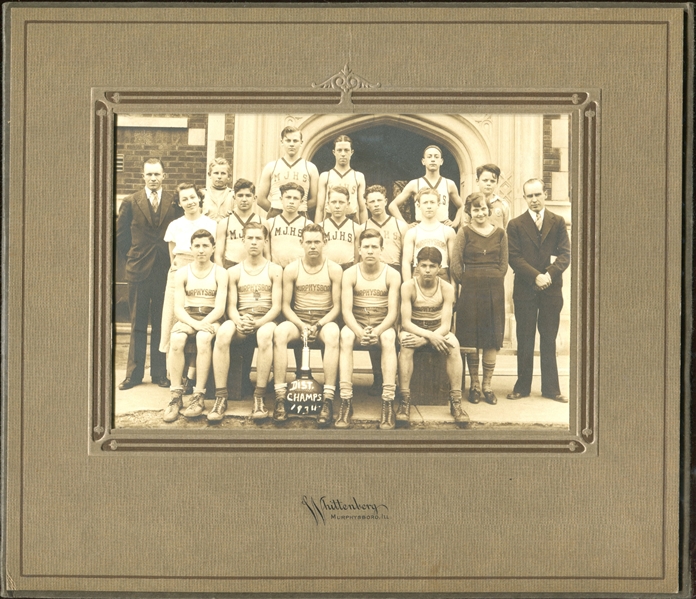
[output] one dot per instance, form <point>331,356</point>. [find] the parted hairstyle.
<point>524,185</point>
<point>476,199</point>
<point>186,185</point>
<point>369,234</point>
<point>429,253</point>
<point>341,138</point>
<point>203,233</point>
<point>219,162</point>
<point>290,129</point>
<point>427,191</point>
<point>435,147</point>
<point>292,185</point>
<point>339,189</point>
<point>313,228</point>
<point>375,189</point>
<point>255,225</point>
<point>491,168</point>
<point>244,184</point>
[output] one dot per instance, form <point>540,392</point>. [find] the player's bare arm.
<point>347,289</point>
<point>265,186</point>
<point>362,207</point>
<point>313,186</point>
<point>321,197</point>
<point>220,241</point>
<point>407,255</point>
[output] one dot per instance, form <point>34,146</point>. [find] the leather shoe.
<point>515,395</point>
<point>490,397</point>
<point>560,398</point>
<point>128,383</point>
<point>162,381</point>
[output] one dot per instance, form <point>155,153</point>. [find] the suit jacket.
<point>530,253</point>
<point>140,240</point>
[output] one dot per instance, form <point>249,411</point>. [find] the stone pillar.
<point>256,142</point>
<point>216,132</point>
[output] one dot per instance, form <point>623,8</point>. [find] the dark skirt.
<point>481,309</point>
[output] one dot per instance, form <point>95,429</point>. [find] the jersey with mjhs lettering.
<point>392,231</point>
<point>234,237</point>
<point>340,240</point>
<point>283,172</point>
<point>349,180</point>
<point>285,238</point>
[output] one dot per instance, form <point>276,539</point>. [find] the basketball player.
<point>218,199</point>
<point>428,233</point>
<point>342,174</point>
<point>254,297</point>
<point>370,303</point>
<point>341,240</point>
<point>311,302</point>
<point>290,167</point>
<point>199,305</point>
<point>487,177</point>
<point>229,246</point>
<point>426,313</point>
<point>285,229</point>
<point>445,189</point>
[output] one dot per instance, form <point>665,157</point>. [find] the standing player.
<point>370,303</point>
<point>341,241</point>
<point>343,175</point>
<point>285,229</point>
<point>426,313</point>
<point>199,305</point>
<point>392,230</point>
<point>311,302</point>
<point>428,233</point>
<point>254,297</point>
<point>229,246</point>
<point>288,168</point>
<point>487,177</point>
<point>142,221</point>
<point>218,199</point>
<point>445,189</point>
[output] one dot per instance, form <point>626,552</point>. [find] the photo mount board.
<point>155,522</point>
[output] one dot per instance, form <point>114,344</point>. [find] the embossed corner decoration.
<point>346,81</point>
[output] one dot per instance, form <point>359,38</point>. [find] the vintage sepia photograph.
<point>343,271</point>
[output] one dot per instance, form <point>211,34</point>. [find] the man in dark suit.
<point>539,252</point>
<point>142,221</point>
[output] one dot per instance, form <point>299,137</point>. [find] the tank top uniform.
<point>340,242</point>
<point>349,180</point>
<point>442,213</point>
<point>431,238</point>
<point>427,309</point>
<point>370,298</point>
<point>297,172</point>
<point>312,299</point>
<point>392,231</point>
<point>284,238</point>
<point>234,238</point>
<point>218,203</point>
<point>254,292</point>
<point>200,293</point>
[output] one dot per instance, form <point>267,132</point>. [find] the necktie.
<point>155,201</point>
<point>538,220</point>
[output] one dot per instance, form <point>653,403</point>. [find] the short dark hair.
<point>375,189</point>
<point>290,129</point>
<point>491,168</point>
<point>369,234</point>
<point>255,225</point>
<point>430,253</point>
<point>433,146</point>
<point>313,228</point>
<point>476,198</point>
<point>543,185</point>
<point>425,191</point>
<point>187,185</point>
<point>339,189</point>
<point>203,233</point>
<point>292,185</point>
<point>244,184</point>
<point>153,161</point>
<point>341,138</point>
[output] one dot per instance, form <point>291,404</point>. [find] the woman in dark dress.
<point>479,264</point>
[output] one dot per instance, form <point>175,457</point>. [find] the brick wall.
<point>182,162</point>
<point>552,156</point>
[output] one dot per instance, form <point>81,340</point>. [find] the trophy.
<point>305,396</point>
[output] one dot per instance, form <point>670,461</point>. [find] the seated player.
<point>311,302</point>
<point>253,303</point>
<point>200,292</point>
<point>426,314</point>
<point>229,247</point>
<point>428,233</point>
<point>341,246</point>
<point>285,229</point>
<point>370,302</point>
